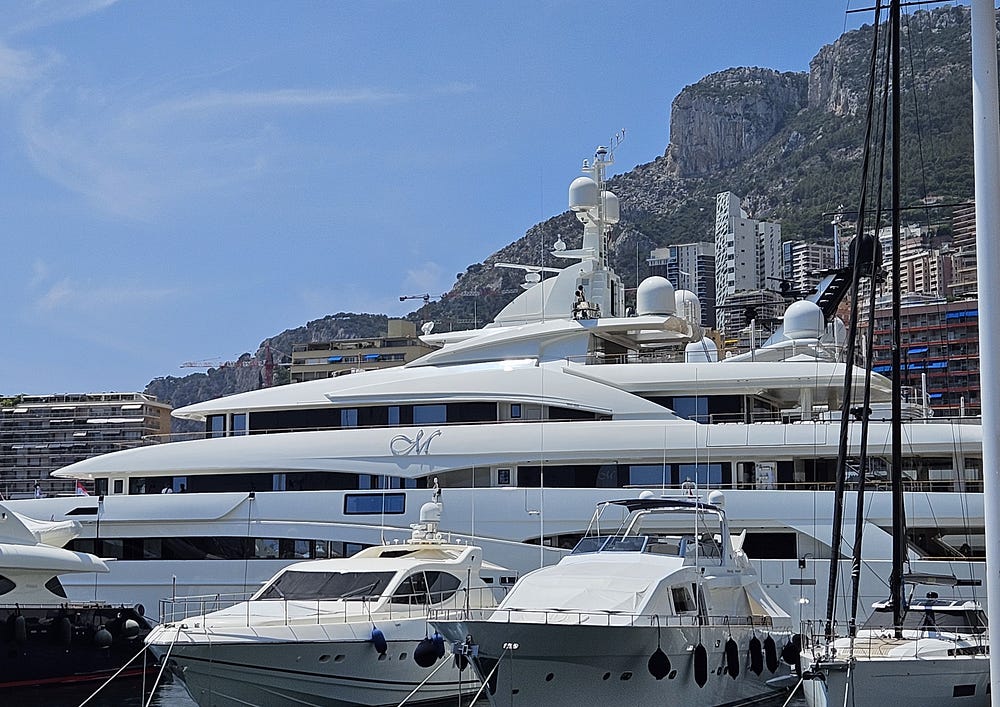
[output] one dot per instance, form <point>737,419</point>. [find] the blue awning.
<point>335,359</point>
<point>919,350</point>
<point>371,357</point>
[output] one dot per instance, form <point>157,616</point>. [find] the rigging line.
<point>423,682</point>
<point>108,681</point>
<point>916,117</point>
<point>838,506</point>
<point>163,666</point>
<point>859,521</point>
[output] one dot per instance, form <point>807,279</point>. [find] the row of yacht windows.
<point>925,473</point>
<point>375,416</point>
<point>705,409</point>
<point>214,548</point>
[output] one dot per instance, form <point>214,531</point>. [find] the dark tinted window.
<point>360,504</point>
<point>299,585</point>
<point>6,586</point>
<point>56,587</point>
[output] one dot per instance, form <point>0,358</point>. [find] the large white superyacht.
<point>564,400</point>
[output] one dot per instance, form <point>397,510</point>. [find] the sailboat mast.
<point>986,140</point>
<point>898,522</point>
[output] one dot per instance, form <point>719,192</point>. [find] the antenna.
<point>617,139</point>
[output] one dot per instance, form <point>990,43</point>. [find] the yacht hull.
<point>313,673</point>
<point>916,682</point>
<point>569,665</point>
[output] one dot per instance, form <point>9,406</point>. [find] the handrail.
<point>597,618</point>
<point>304,612</point>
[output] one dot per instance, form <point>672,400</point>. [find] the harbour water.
<point>128,693</point>
<point>122,693</point>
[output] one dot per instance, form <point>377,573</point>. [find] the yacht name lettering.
<point>401,445</point>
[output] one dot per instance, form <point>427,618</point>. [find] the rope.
<point>163,666</point>
<point>794,690</point>
<point>108,681</point>
<point>422,683</point>
<point>486,681</point>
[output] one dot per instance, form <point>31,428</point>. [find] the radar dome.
<point>717,498</point>
<point>583,194</point>
<point>706,351</point>
<point>655,296</point>
<point>688,306</point>
<point>612,209</point>
<point>804,320</point>
<point>430,513</point>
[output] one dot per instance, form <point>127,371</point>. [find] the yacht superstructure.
<point>563,401</point>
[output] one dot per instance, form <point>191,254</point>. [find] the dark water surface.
<point>128,693</point>
<point>120,693</point>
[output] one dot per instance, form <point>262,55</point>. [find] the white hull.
<point>915,682</point>
<point>304,672</point>
<point>573,665</point>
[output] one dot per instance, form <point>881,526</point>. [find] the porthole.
<point>402,656</point>
<point>627,675</point>
<point>672,674</point>
<point>548,678</point>
<point>606,676</point>
<point>325,658</point>
<point>339,658</point>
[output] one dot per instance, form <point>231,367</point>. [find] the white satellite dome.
<point>703,351</point>
<point>804,320</point>
<point>655,296</point>
<point>583,194</point>
<point>612,207</point>
<point>687,306</point>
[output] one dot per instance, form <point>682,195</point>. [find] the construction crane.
<point>267,379</point>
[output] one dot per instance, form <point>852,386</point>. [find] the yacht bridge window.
<point>312,586</point>
<point>426,588</point>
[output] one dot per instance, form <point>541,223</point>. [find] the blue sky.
<point>180,180</point>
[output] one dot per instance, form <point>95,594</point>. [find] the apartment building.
<point>325,359</point>
<point>42,433</point>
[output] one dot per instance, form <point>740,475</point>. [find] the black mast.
<point>898,523</point>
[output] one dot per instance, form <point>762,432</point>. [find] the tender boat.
<point>349,631</point>
<point>665,610</point>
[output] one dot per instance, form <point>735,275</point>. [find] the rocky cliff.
<point>727,117</point>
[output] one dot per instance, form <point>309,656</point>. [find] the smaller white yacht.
<point>940,658</point>
<point>45,639</point>
<point>667,609</point>
<point>337,632</point>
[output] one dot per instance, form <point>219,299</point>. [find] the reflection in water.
<point>120,693</point>
<point>127,693</point>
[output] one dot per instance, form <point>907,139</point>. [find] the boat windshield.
<point>326,585</point>
<point>933,618</point>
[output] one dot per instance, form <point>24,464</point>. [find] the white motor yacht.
<point>337,632</point>
<point>665,609</point>
<point>529,422</point>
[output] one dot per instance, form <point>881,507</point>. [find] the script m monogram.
<point>401,445</point>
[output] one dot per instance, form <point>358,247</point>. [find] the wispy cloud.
<point>281,98</point>
<point>131,155</point>
<point>427,277</point>
<point>68,296</point>
<point>44,13</point>
<point>20,68</point>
